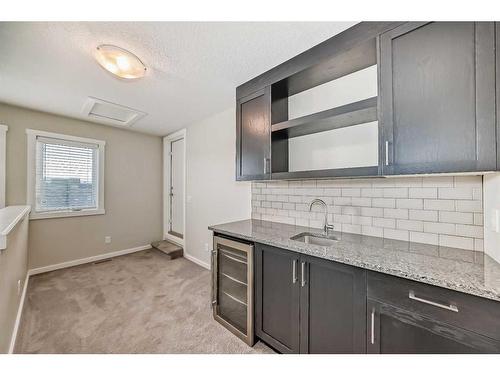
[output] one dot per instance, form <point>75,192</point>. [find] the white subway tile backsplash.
<point>455,193</point>
<point>423,193</point>
<point>397,213</point>
<point>351,192</point>
<point>372,231</point>
<point>396,193</point>
<point>439,210</point>
<point>362,202</point>
<point>475,231</point>
<point>428,238</point>
<point>396,234</point>
<point>424,215</point>
<point>438,181</point>
<point>371,192</point>
<point>455,241</point>
<point>456,217</point>
<point>439,204</point>
<point>470,206</point>
<point>440,228</point>
<point>384,202</point>
<point>384,222</point>
<point>410,225</point>
<point>410,203</point>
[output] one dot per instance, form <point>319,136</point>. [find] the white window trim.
<point>32,134</point>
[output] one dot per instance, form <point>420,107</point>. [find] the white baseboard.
<point>71,263</point>
<point>197,261</point>
<point>18,316</point>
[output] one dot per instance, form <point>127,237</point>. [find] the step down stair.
<point>170,249</point>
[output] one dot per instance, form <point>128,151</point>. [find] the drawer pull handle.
<point>449,307</point>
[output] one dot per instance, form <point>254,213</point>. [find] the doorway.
<point>174,150</point>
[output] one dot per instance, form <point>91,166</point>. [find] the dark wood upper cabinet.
<point>253,136</point>
<point>437,98</point>
<point>333,305</point>
<point>277,298</point>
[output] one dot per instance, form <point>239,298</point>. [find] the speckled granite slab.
<point>465,271</point>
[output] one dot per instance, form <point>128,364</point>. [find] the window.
<point>65,175</point>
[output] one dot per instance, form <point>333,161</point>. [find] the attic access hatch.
<point>111,113</point>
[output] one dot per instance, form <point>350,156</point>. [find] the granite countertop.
<point>465,271</point>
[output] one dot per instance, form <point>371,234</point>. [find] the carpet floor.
<point>136,303</point>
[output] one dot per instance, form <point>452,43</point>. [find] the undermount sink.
<point>315,239</point>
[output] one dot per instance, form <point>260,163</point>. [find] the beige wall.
<point>13,267</point>
<point>132,192</point>
<point>213,195</point>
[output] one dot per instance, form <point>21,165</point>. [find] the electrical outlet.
<point>206,247</point>
<point>18,287</point>
<point>107,239</point>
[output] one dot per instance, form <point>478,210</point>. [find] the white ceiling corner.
<point>193,67</point>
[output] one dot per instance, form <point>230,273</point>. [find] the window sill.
<point>62,214</point>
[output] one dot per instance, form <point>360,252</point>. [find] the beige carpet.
<point>137,303</point>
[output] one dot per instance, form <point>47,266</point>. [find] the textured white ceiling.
<point>194,67</point>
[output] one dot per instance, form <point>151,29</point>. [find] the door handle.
<point>386,152</point>
<point>372,338</point>
<point>214,277</point>
<point>294,271</point>
<point>450,307</point>
<point>266,163</point>
<point>303,274</point>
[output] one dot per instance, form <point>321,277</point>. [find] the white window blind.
<point>66,176</point>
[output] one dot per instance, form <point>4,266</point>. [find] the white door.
<point>177,188</point>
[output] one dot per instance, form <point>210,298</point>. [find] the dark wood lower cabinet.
<point>305,304</point>
<point>392,330</point>
<point>308,305</point>
<point>277,298</point>
<point>333,305</point>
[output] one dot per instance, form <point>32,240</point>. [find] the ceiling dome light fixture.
<point>120,62</point>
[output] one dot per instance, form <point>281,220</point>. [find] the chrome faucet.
<point>326,226</point>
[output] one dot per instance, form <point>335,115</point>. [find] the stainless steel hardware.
<point>294,271</point>
<point>372,339</point>
<point>303,274</point>
<point>266,165</point>
<point>214,281</point>
<point>326,226</point>
<point>233,258</point>
<point>450,307</point>
<point>235,299</point>
<point>386,152</point>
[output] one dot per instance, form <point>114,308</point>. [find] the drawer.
<point>473,313</point>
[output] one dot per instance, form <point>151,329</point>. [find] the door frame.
<point>167,141</point>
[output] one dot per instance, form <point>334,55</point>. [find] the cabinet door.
<point>253,136</point>
<point>277,298</point>
<point>437,98</point>
<point>392,330</point>
<point>333,306</point>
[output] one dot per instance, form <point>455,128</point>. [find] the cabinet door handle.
<point>266,163</point>
<point>450,307</point>
<point>303,273</point>
<point>372,338</point>
<point>386,152</point>
<point>214,277</point>
<point>294,271</point>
